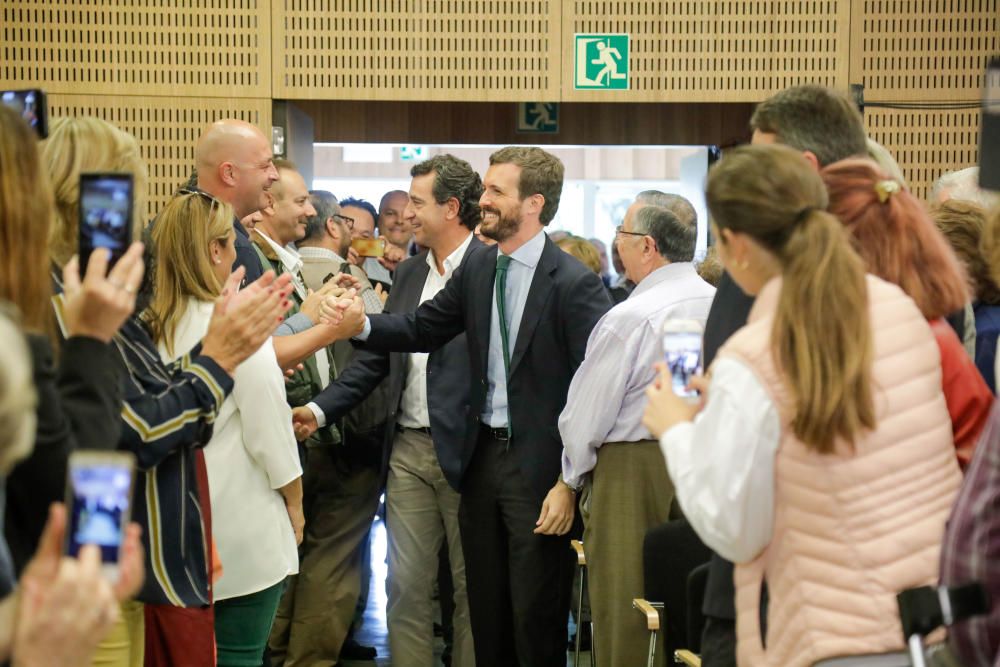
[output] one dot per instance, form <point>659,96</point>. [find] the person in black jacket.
<point>527,309</point>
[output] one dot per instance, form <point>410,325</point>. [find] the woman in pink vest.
<point>821,459</point>
<point>898,241</point>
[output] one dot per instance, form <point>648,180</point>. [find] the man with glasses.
<point>340,483</point>
<point>606,449</point>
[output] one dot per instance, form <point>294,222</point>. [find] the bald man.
<point>234,164</point>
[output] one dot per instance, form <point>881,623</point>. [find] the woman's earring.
<point>218,261</point>
<point>743,265</point>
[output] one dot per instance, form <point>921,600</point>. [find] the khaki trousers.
<point>421,515</point>
<point>629,493</point>
<point>123,646</point>
<point>316,611</point>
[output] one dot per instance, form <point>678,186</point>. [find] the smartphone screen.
<point>98,500</point>
<point>105,215</point>
<point>31,105</point>
<point>682,348</point>
<point>369,247</point>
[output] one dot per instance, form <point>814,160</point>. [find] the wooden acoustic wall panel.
<point>927,143</point>
<point>923,50</point>
<point>210,48</point>
<point>166,129</point>
<point>475,50</point>
<point>714,50</point>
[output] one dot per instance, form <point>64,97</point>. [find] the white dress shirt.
<point>722,463</point>
<point>608,393</point>
<point>292,261</point>
<point>251,454</point>
<point>413,411</point>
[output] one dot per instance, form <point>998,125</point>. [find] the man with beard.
<point>527,309</point>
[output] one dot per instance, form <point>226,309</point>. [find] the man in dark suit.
<point>527,309</point>
<point>428,397</point>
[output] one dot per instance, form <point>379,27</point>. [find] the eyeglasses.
<point>212,200</point>
<point>344,220</point>
<point>619,230</point>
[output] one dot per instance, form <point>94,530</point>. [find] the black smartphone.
<point>98,503</point>
<point>105,215</point>
<point>989,143</point>
<point>31,105</point>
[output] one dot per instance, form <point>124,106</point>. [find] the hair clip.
<point>885,189</point>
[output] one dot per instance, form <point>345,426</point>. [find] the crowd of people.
<point>276,359</point>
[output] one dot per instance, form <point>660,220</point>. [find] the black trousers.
<point>718,642</point>
<point>518,582</point>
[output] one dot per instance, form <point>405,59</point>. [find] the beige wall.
<point>162,70</point>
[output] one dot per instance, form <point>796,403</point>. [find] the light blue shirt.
<point>520,273</point>
<point>607,396</point>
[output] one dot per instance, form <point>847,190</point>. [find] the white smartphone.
<point>682,349</point>
<point>99,502</point>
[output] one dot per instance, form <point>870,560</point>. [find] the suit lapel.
<point>415,287</point>
<point>538,294</point>
<point>482,294</point>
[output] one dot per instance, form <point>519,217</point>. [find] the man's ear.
<point>452,208</point>
<point>227,173</point>
<point>331,227</point>
<point>812,160</point>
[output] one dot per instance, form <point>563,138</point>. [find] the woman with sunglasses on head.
<point>254,473</point>
<point>898,241</point>
<point>165,414</point>
<point>821,461</point>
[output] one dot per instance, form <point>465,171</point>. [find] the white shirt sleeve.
<point>593,403</point>
<point>259,392</point>
<point>365,331</point>
<point>722,463</point>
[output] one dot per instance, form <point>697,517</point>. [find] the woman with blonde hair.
<point>821,461</point>
<point>254,474</point>
<point>164,413</point>
<point>896,238</point>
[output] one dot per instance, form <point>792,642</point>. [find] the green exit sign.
<point>600,62</point>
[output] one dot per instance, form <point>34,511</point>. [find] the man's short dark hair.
<point>454,178</point>
<point>675,241</point>
<point>676,204</point>
<point>362,204</point>
<point>814,119</point>
<point>541,174</point>
<point>326,205</point>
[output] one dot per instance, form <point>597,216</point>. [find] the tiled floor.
<point>373,631</point>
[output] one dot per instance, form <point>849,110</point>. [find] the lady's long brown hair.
<point>822,336</point>
<point>895,236</point>
<point>25,212</point>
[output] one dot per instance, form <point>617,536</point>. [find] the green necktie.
<point>503,261</point>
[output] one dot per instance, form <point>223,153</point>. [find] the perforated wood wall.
<point>922,50</point>
<point>138,47</point>
<point>166,128</point>
<point>927,143</point>
<point>714,50</point>
<point>474,50</point>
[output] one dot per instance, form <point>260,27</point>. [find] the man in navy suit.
<point>526,309</point>
<point>428,397</point>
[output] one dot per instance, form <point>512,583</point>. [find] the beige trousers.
<point>125,644</point>
<point>629,493</point>
<point>421,515</point>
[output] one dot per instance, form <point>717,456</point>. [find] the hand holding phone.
<point>106,201</point>
<point>682,349</point>
<point>99,498</point>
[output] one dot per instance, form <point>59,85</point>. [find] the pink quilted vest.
<point>852,528</point>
